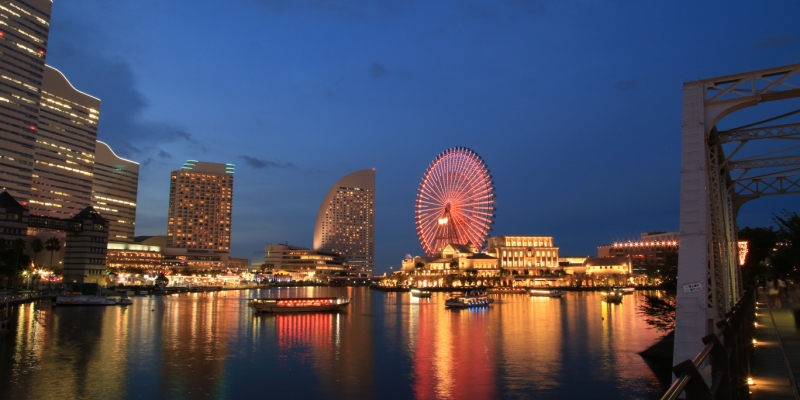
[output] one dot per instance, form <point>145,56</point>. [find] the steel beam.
<point>768,132</point>
<point>773,162</point>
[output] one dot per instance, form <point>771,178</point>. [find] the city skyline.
<point>586,154</point>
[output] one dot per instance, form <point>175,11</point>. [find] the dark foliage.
<point>659,311</point>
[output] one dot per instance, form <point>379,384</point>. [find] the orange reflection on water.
<point>454,354</point>
<point>313,330</point>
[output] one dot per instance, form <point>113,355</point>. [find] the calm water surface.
<point>388,345</point>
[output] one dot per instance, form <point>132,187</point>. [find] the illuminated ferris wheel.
<point>455,201</point>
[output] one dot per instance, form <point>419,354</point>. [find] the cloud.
<point>122,105</point>
<point>624,86</point>
<point>377,70</point>
<point>778,40</point>
<point>257,163</point>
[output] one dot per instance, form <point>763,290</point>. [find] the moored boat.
<point>124,301</point>
<point>473,298</point>
<point>296,305</point>
<point>547,293</point>
<point>424,294</point>
<point>612,296</point>
<point>71,299</point>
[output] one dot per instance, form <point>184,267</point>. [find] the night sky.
<point>575,106</point>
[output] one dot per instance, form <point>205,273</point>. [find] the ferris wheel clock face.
<point>455,201</point>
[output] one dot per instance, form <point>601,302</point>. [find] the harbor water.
<point>386,346</point>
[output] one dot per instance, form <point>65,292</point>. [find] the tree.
<point>52,245</point>
<point>786,258</point>
<point>659,311</point>
<point>36,247</point>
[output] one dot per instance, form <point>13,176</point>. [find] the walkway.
<point>776,364</point>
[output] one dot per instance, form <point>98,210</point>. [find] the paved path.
<point>776,364</point>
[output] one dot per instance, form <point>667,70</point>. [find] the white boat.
<point>421,293</point>
<point>297,305</point>
<point>84,300</point>
<point>612,296</point>
<point>473,298</point>
<point>547,293</point>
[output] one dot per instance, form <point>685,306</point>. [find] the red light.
<point>2,33</point>
<point>41,52</point>
<point>33,128</point>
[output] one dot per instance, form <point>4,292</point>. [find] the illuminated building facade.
<point>114,191</point>
<point>23,45</point>
<point>130,255</point>
<point>298,263</point>
<point>524,253</point>
<point>346,221</point>
<point>608,265</point>
<point>200,203</point>
<point>651,251</point>
<point>66,138</point>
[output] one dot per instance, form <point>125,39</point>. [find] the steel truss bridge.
<point>715,184</point>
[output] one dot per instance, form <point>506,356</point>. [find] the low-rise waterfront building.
<point>132,255</point>
<point>85,252</point>
<point>652,250</point>
<point>301,264</point>
<point>524,253</point>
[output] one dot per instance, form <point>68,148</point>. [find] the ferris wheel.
<point>455,201</point>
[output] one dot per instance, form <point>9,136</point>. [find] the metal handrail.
<point>730,351</point>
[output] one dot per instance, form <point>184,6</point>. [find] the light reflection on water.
<point>388,345</point>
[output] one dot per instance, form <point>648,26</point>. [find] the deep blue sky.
<point>574,105</point>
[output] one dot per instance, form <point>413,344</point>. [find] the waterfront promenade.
<point>776,363</point>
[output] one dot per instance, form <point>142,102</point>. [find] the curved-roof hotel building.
<point>346,221</point>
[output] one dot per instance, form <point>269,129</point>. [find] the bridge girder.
<point>710,197</point>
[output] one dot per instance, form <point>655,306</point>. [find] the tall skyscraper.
<point>346,221</point>
<point>200,201</point>
<point>114,190</point>
<point>23,45</point>
<point>66,139</point>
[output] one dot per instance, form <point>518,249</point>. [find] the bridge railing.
<point>728,353</point>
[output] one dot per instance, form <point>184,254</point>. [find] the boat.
<point>473,298</point>
<point>506,290</point>
<point>297,305</point>
<point>627,290</point>
<point>546,293</point>
<point>612,296</point>
<point>124,301</point>
<point>423,294</point>
<point>73,299</point>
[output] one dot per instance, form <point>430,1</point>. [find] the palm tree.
<point>36,247</point>
<point>52,245</point>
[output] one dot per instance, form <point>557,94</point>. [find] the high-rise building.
<point>66,138</point>
<point>200,202</point>
<point>23,45</point>
<point>346,221</point>
<point>114,190</point>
